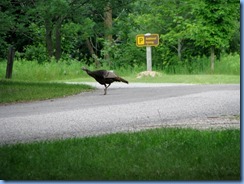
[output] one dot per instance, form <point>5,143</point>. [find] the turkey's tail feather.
<point>122,80</point>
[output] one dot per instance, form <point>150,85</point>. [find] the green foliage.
<point>34,53</point>
<point>123,56</point>
<point>62,29</point>
<point>217,22</point>
<point>159,154</point>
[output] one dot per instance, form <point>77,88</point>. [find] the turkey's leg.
<point>106,87</point>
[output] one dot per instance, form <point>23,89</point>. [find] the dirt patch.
<point>221,122</point>
<point>148,74</point>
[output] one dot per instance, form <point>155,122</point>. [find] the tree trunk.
<point>10,63</point>
<point>49,42</point>
<point>212,57</point>
<point>93,54</point>
<point>58,50</point>
<point>108,22</point>
<point>179,48</point>
<point>108,28</point>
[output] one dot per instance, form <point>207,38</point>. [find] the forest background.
<point>196,36</point>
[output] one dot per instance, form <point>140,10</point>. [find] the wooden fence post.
<point>10,63</point>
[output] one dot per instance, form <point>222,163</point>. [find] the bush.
<point>37,53</point>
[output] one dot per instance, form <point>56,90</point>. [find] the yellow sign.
<point>147,40</point>
<point>140,41</point>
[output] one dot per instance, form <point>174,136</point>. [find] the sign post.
<point>148,40</point>
<point>149,56</point>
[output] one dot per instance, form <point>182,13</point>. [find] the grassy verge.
<point>12,91</point>
<point>165,78</point>
<point>192,79</point>
<point>159,154</point>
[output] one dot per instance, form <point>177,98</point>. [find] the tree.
<point>180,19</point>
<point>108,20</point>
<point>6,22</point>
<point>52,14</point>
<point>217,23</point>
<point>104,31</point>
<point>14,25</point>
<point>104,13</point>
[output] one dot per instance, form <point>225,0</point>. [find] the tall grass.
<point>71,69</point>
<point>227,65</point>
<point>46,71</point>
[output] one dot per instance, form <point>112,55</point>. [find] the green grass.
<point>166,78</point>
<point>193,79</point>
<point>226,71</point>
<point>32,71</point>
<point>13,91</point>
<point>158,154</point>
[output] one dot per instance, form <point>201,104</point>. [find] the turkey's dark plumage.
<point>104,77</point>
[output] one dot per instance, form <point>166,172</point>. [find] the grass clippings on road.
<point>157,154</point>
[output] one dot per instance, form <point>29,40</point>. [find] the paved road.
<point>126,108</point>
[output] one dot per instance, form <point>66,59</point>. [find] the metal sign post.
<point>148,40</point>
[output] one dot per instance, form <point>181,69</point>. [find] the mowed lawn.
<point>158,154</point>
<point>16,91</point>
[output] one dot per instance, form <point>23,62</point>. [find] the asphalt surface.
<point>125,108</point>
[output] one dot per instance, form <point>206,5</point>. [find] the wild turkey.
<point>104,77</point>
